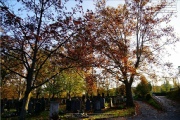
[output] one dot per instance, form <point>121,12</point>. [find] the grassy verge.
<point>149,100</point>
<point>114,113</point>
<point>154,103</point>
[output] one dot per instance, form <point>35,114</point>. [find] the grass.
<point>42,116</point>
<point>115,113</point>
<point>155,104</point>
<point>105,113</point>
<point>149,100</point>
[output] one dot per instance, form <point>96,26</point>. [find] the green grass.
<point>114,113</point>
<point>155,104</point>
<point>105,113</point>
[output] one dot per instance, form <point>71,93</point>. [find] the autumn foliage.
<point>49,39</point>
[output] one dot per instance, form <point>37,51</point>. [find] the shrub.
<point>175,95</point>
<point>148,96</point>
<point>143,88</point>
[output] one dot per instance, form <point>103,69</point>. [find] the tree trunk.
<point>23,107</point>
<point>129,101</point>
<point>27,103</point>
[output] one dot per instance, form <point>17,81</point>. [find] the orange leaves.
<point>137,1</point>
<point>76,22</point>
<point>150,21</point>
<point>90,83</point>
<point>143,79</point>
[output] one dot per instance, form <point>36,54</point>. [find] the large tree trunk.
<point>129,101</point>
<point>23,107</point>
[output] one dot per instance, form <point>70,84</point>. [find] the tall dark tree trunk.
<point>23,107</point>
<point>129,101</point>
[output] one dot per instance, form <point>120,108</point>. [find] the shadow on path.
<point>147,112</point>
<point>171,110</point>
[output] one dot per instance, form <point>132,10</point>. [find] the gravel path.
<point>147,112</point>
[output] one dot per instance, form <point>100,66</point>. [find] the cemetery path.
<point>147,112</point>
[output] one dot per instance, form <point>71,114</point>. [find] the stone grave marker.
<point>31,106</point>
<point>43,104</point>
<point>88,104</point>
<point>102,103</point>
<point>54,109</point>
<point>37,107</point>
<point>68,104</point>
<point>111,103</point>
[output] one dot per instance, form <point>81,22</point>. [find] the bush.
<point>143,88</point>
<point>175,95</point>
<point>148,96</point>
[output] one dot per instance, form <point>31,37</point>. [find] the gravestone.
<point>54,109</point>
<point>78,104</point>
<point>111,103</point>
<point>2,106</point>
<point>18,106</point>
<point>37,107</point>
<point>97,103</point>
<point>68,104</point>
<point>97,106</point>
<point>31,106</point>
<point>43,104</point>
<point>115,100</point>
<point>88,104</point>
<point>75,105</point>
<point>102,103</point>
<point>8,105</point>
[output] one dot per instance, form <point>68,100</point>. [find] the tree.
<point>74,83</point>
<point>166,86</point>
<point>69,81</point>
<point>56,86</point>
<point>45,27</point>
<point>11,82</point>
<point>129,38</point>
<point>91,84</point>
<point>144,87</point>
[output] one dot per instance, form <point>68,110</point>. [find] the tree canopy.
<point>129,38</point>
<point>48,39</point>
